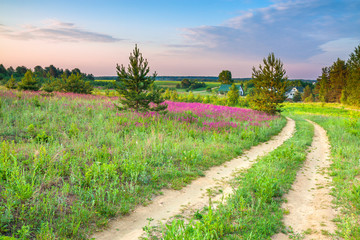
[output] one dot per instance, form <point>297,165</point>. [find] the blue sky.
<point>179,37</point>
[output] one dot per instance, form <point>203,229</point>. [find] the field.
<point>170,85</point>
<point>254,210</point>
<point>70,162</point>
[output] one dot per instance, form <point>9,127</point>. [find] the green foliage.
<point>232,96</point>
<point>73,131</point>
<point>337,79</point>
<point>307,96</point>
<point>75,83</point>
<point>11,83</point>
<point>42,137</point>
<point>191,84</point>
<point>309,99</point>
<point>65,172</point>
<point>324,82</point>
<point>340,82</point>
<point>137,90</point>
<point>29,82</point>
<point>270,85</point>
<point>253,211</point>
<point>343,128</point>
<point>225,77</point>
<point>297,96</point>
<point>213,99</point>
<point>352,88</point>
<point>3,72</point>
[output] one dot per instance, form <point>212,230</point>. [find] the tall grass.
<point>70,162</point>
<point>254,210</point>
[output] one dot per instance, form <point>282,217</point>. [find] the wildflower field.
<point>254,210</point>
<point>70,162</point>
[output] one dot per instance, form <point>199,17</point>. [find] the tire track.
<point>309,202</point>
<point>192,196</point>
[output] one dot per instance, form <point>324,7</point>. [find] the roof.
<point>300,89</point>
<point>226,87</point>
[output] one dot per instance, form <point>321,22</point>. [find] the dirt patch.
<point>193,196</point>
<point>309,202</point>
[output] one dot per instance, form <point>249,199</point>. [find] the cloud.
<point>332,50</point>
<point>295,30</point>
<point>56,31</point>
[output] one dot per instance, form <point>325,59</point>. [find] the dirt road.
<point>309,201</point>
<point>193,196</point>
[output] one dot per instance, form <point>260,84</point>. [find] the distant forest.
<point>40,72</point>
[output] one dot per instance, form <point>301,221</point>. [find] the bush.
<point>76,84</point>
<point>11,84</point>
<point>28,82</point>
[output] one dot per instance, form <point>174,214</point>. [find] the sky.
<point>179,37</point>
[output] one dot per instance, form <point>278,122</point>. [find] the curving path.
<point>309,202</point>
<point>172,202</point>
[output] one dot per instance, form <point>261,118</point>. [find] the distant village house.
<point>291,93</point>
<point>225,88</point>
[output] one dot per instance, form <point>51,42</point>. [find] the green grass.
<point>343,129</point>
<point>254,210</point>
<point>69,163</point>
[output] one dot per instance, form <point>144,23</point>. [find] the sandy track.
<point>309,201</point>
<point>192,196</point>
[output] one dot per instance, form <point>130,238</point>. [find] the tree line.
<point>73,83</point>
<point>341,81</point>
<point>40,72</point>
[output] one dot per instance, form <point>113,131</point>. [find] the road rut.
<point>194,195</point>
<point>309,201</point>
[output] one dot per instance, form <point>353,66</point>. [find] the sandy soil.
<point>309,201</point>
<point>194,196</point>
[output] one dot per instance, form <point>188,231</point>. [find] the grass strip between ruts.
<point>253,211</point>
<point>344,137</point>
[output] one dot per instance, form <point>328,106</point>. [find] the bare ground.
<point>309,202</point>
<point>194,196</point>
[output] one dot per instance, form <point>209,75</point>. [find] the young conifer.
<point>270,85</point>
<point>137,90</point>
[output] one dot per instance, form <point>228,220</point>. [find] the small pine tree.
<point>137,90</point>
<point>11,84</point>
<point>270,85</point>
<point>28,82</point>
<point>232,96</point>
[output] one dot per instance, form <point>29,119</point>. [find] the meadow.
<point>254,210</point>
<point>71,162</point>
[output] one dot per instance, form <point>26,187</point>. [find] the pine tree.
<point>352,88</point>
<point>337,78</point>
<point>28,82</point>
<point>324,82</point>
<point>232,96</point>
<point>11,84</point>
<point>136,88</point>
<point>270,85</point>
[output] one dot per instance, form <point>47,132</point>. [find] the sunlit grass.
<point>70,162</point>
